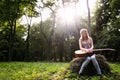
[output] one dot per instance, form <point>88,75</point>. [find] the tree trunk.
<point>28,38</point>
<point>54,53</point>
<point>11,43</point>
<point>53,34</point>
<point>47,41</point>
<point>12,24</point>
<point>61,49</point>
<point>89,20</point>
<point>27,43</point>
<point>12,38</point>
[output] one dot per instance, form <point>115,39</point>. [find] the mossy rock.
<point>76,63</point>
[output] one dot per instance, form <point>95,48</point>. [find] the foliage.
<point>11,30</point>
<point>39,50</point>
<point>18,42</point>
<point>107,30</point>
<point>48,70</point>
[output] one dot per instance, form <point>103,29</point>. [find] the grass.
<point>48,71</point>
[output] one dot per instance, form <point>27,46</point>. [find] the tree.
<point>89,19</point>
<point>107,26</point>
<point>11,11</point>
<point>49,39</point>
<point>39,51</point>
<point>10,15</point>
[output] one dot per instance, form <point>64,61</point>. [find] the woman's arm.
<point>92,46</point>
<point>91,41</point>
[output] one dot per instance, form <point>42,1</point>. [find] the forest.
<point>55,38</point>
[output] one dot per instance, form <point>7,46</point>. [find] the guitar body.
<point>80,53</point>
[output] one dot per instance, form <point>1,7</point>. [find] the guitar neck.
<point>107,49</point>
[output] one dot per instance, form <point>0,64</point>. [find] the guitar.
<point>80,53</point>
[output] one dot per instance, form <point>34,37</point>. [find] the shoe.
<point>81,74</point>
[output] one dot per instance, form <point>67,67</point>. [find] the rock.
<point>76,63</point>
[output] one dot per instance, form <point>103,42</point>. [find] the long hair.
<point>86,33</point>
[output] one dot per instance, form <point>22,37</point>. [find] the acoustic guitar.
<point>80,53</point>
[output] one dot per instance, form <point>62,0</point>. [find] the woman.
<point>86,44</point>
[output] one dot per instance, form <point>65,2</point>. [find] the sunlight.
<point>69,12</point>
<point>82,6</point>
<point>45,13</point>
<point>66,13</point>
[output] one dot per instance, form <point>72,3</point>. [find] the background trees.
<point>11,11</point>
<point>55,38</point>
<point>107,28</point>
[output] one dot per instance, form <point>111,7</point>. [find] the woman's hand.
<point>90,50</point>
<point>86,50</point>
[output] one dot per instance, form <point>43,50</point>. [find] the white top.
<point>86,44</point>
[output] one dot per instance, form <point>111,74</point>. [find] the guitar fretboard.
<point>107,49</point>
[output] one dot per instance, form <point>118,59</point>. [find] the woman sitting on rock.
<point>86,44</point>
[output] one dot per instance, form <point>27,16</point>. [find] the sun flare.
<point>69,12</point>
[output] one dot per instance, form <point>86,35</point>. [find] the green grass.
<point>48,71</point>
